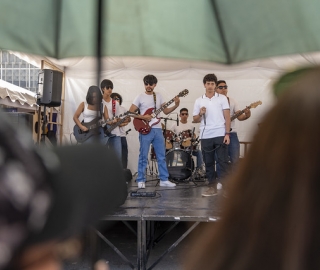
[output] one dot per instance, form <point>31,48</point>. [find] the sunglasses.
<point>147,83</point>
<point>116,98</point>
<point>221,87</point>
<point>184,114</point>
<point>109,86</point>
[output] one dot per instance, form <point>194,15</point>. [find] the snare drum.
<point>180,164</point>
<point>186,137</point>
<point>169,137</point>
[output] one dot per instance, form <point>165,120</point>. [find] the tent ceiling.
<point>222,31</point>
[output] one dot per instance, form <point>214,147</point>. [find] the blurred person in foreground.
<point>270,219</point>
<point>49,196</point>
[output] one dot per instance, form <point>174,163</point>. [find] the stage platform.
<point>182,203</point>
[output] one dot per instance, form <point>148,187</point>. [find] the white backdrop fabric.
<point>248,83</point>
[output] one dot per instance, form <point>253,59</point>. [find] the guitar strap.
<point>101,110</point>
<point>155,100</point>
<point>113,107</point>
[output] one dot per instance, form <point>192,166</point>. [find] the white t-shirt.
<point>122,129</point>
<point>177,129</point>
<point>145,102</point>
<point>116,131</point>
<point>234,107</point>
<point>213,122</point>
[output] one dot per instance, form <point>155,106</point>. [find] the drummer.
<point>187,137</point>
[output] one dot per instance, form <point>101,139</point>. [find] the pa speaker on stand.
<point>49,95</point>
<point>50,87</point>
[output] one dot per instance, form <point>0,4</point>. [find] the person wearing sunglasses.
<point>113,107</point>
<point>124,144</point>
<point>145,101</point>
<point>183,127</point>
<point>234,146</point>
<point>213,111</point>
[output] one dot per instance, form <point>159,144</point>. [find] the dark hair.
<point>184,110</point>
<point>221,81</point>
<point>210,78</point>
<point>270,219</point>
<point>94,89</point>
<point>106,83</point>
<point>114,95</point>
<point>151,79</point>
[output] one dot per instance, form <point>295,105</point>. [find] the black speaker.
<point>50,87</point>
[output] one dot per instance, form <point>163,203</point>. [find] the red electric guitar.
<point>143,126</point>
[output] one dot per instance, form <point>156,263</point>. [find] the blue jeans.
<point>215,150</point>
<point>101,138</point>
<point>115,144</point>
<point>234,148</point>
<point>233,152</point>
<point>198,154</point>
<point>124,146</point>
<point>155,138</point>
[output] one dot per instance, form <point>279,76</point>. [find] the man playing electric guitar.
<point>234,146</point>
<point>149,100</point>
<point>113,108</point>
<point>124,144</point>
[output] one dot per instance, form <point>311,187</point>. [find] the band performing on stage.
<point>204,149</point>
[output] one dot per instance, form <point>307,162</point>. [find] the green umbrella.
<point>222,31</point>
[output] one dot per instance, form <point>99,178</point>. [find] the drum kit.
<point>179,149</point>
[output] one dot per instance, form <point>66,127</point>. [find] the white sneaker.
<point>167,183</point>
<point>141,185</point>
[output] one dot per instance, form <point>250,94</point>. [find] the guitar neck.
<point>238,113</point>
<point>116,124</point>
<point>122,120</point>
<point>155,113</point>
<point>99,123</point>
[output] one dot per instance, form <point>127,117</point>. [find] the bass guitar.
<point>252,105</point>
<point>143,126</point>
<point>93,128</point>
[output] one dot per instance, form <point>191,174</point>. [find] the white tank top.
<point>89,115</point>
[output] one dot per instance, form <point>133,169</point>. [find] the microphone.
<point>128,131</point>
<point>177,120</point>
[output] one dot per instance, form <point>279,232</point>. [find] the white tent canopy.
<point>18,97</point>
<point>248,82</point>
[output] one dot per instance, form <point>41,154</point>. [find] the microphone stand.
<point>165,124</point>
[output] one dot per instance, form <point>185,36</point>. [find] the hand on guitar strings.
<point>147,117</point>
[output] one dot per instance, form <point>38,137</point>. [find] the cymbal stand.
<point>153,167</point>
<point>195,174</point>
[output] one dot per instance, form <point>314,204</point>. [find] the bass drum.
<point>180,164</point>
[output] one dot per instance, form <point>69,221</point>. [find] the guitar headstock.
<point>255,104</point>
<point>183,93</point>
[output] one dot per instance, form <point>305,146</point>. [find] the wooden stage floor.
<point>182,203</point>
